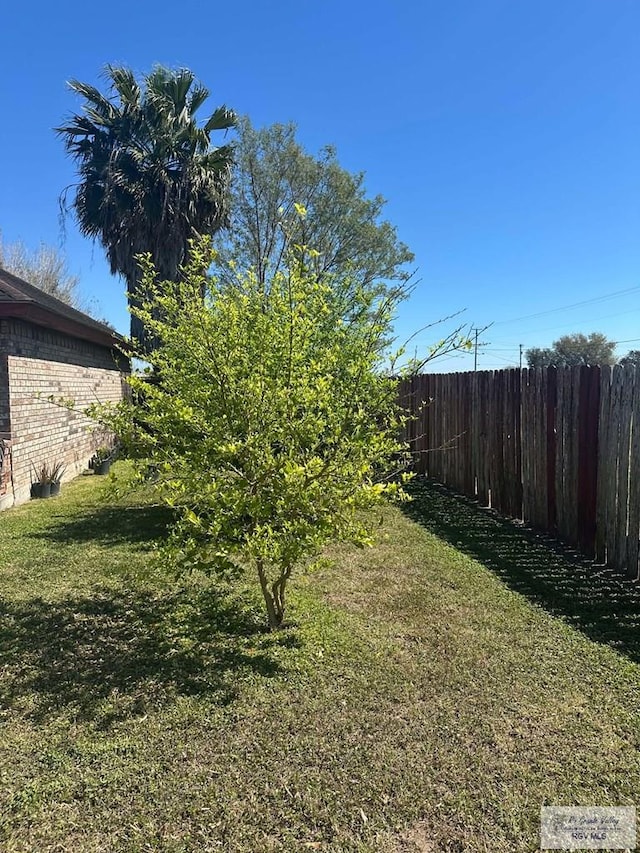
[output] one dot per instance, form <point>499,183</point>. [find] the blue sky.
<point>505,135</point>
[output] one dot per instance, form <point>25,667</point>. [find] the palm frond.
<point>125,84</point>
<point>93,96</point>
<point>197,97</point>
<point>222,119</point>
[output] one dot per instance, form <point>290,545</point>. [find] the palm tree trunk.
<point>139,334</point>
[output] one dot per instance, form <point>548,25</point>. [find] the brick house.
<point>48,348</point>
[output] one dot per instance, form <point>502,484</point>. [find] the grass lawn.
<point>436,691</point>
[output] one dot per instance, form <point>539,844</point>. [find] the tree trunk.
<point>274,596</point>
<point>138,332</point>
<point>145,341</point>
<point>168,270</point>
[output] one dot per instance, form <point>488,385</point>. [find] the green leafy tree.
<point>270,424</point>
<point>631,358</point>
<point>149,180</point>
<point>272,176</point>
<point>540,357</point>
<point>574,350</point>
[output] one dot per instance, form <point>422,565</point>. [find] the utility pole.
<point>475,352</point>
<point>520,356</point>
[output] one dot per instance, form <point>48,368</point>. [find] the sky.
<point>504,134</point>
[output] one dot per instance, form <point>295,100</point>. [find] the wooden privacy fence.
<point>557,448</point>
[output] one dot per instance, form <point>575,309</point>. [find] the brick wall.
<point>4,391</point>
<point>40,363</point>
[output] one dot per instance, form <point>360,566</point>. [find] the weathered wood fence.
<point>557,448</point>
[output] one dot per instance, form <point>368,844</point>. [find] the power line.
<point>564,326</point>
<point>508,347</point>
<point>596,299</point>
<point>514,347</point>
<point>501,358</point>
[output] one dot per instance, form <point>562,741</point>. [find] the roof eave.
<point>39,316</point>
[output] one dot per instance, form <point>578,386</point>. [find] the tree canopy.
<point>573,350</point>
<point>273,178</point>
<point>631,358</point>
<point>149,179</point>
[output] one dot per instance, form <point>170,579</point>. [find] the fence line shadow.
<point>600,602</point>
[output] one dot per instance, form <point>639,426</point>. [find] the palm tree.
<point>149,178</point>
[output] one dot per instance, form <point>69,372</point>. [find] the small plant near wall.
<point>40,482</point>
<point>55,476</point>
<point>101,460</point>
<point>45,479</point>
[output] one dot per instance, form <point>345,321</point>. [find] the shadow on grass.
<point>110,524</point>
<point>601,603</point>
<point>119,653</point>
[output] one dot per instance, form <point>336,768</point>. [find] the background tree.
<point>274,176</point>
<point>573,350</point>
<point>45,268</point>
<point>273,426</point>
<point>540,357</point>
<point>149,178</point>
<point>632,357</point>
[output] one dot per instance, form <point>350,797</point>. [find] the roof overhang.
<point>39,316</point>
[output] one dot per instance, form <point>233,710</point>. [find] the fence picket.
<point>624,446</point>
<point>634,484</point>
<point>602,459</point>
<point>612,465</point>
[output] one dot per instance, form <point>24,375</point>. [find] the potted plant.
<point>46,479</point>
<point>41,482</point>
<point>102,459</point>
<point>55,475</point>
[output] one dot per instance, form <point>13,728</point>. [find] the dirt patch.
<point>417,839</point>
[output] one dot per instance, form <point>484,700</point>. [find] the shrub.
<point>270,425</point>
